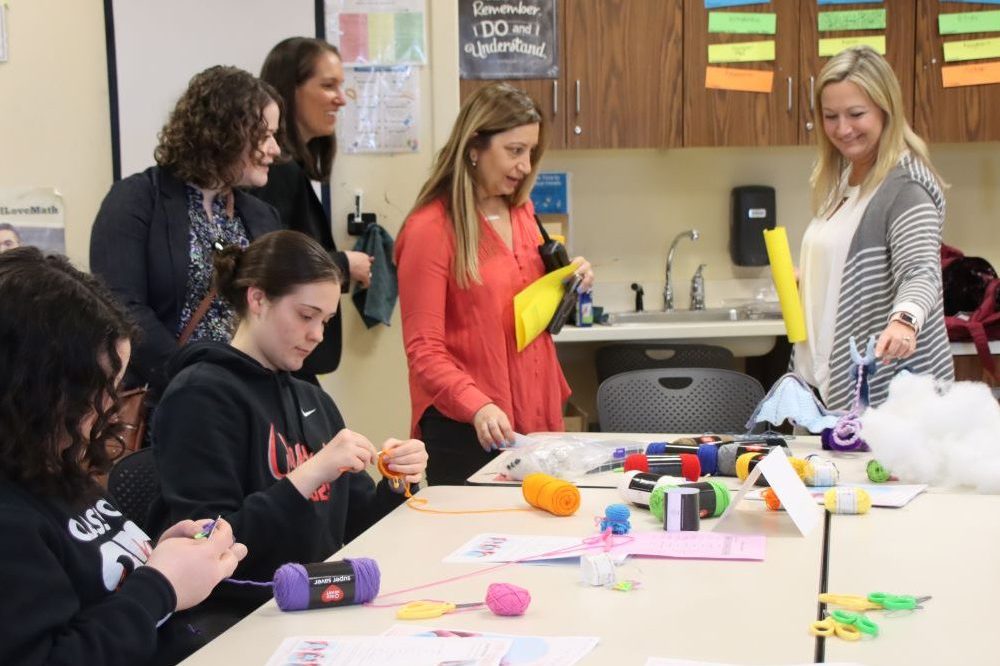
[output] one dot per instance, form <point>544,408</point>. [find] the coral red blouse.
<point>460,343</point>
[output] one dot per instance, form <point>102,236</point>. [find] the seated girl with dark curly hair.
<point>156,231</point>
<point>81,583</point>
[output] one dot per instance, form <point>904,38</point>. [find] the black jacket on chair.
<point>140,247</point>
<point>288,189</point>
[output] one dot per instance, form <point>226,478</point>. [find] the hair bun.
<point>226,264</point>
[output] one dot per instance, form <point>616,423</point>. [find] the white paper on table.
<point>695,545</point>
<point>524,650</point>
<point>657,661</point>
<point>387,651</point>
<point>787,485</point>
<point>892,495</point>
<point>515,547</point>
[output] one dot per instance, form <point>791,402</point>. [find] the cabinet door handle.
<point>578,97</point>
<point>555,96</point>
<point>789,94</point>
<point>812,94</point>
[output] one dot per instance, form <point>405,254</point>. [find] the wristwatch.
<point>905,318</point>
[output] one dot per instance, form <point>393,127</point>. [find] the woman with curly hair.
<point>156,231</point>
<point>81,582</point>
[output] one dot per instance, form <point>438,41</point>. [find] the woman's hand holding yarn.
<point>348,451</point>
<point>898,341</point>
<point>194,567</point>
<point>405,457</point>
<point>492,427</point>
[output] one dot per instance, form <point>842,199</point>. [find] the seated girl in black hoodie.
<point>235,434</point>
<point>81,583</point>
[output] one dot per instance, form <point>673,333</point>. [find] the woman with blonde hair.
<point>870,257</point>
<point>469,245</point>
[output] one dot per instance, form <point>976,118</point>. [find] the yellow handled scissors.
<point>422,610</point>
<point>874,601</point>
<point>845,625</point>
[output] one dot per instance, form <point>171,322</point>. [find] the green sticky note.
<point>972,49</point>
<point>856,19</point>
<point>741,52</point>
<point>965,22</point>
<point>743,23</point>
<point>831,46</point>
<point>409,37</point>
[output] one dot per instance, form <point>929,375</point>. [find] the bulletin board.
<point>155,47</point>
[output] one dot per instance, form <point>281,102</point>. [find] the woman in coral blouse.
<point>469,245</point>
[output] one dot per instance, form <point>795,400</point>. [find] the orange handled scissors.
<point>421,610</point>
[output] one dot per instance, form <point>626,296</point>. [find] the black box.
<point>753,211</point>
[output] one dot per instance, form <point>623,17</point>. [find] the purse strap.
<point>196,318</point>
<point>541,228</point>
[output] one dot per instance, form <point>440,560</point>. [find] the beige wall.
<point>626,204</point>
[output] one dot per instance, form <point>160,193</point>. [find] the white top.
<point>824,252</point>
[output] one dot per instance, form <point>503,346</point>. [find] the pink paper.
<point>695,545</point>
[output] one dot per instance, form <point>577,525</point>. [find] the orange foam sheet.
<point>980,74</point>
<point>746,80</point>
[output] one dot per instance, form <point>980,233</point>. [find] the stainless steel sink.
<point>689,316</point>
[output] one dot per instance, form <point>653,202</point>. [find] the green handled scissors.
<point>845,625</point>
<point>422,610</point>
<point>897,601</point>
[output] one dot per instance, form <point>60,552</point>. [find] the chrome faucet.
<point>698,289</point>
<point>668,287</point>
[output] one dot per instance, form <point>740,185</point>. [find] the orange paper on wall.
<point>979,74</point>
<point>746,80</point>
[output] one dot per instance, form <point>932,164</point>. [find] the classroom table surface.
<point>943,545</point>
<point>733,611</point>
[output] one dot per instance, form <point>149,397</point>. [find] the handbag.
<point>132,405</point>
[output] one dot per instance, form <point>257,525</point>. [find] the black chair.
<point>678,400</point>
<point>134,484</point>
<point>618,358</point>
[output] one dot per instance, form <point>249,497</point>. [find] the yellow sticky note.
<point>980,74</point>
<point>741,51</point>
<point>535,304</point>
<point>783,274</point>
<point>831,46</point>
<point>381,38</point>
<point>972,49</point>
<point>745,80</point>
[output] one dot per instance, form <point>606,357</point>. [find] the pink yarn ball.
<point>507,599</point>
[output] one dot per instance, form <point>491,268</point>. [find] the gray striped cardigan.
<point>894,258</point>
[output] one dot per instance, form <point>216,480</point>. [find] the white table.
<point>944,545</point>
<point>741,612</point>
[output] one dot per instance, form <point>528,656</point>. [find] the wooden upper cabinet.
<point>735,118</point>
<point>547,93</point>
<point>899,39</point>
<point>623,73</point>
<point>965,113</point>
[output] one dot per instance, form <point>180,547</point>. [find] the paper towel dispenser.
<point>753,211</point>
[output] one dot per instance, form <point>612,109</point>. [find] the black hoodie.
<point>226,433</point>
<point>74,588</point>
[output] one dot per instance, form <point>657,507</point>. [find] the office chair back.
<point>134,484</point>
<point>678,400</point>
<point>618,358</point>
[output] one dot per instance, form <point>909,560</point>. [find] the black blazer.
<point>288,189</point>
<point>140,246</point>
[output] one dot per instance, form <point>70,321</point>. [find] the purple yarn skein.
<point>291,583</point>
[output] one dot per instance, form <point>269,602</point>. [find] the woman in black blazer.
<point>156,231</point>
<point>309,76</point>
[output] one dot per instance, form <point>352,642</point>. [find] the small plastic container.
<point>584,309</point>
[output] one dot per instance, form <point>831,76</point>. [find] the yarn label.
<point>331,584</point>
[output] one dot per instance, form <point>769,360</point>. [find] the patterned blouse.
<point>219,322</point>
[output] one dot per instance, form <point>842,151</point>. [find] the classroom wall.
<point>627,205</point>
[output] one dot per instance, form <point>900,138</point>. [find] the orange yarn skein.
<point>554,495</point>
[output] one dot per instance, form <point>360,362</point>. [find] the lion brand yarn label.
<point>330,584</point>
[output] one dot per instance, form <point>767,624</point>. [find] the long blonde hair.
<point>496,108</point>
<point>864,67</point>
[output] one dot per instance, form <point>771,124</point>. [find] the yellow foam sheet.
<point>979,74</point>
<point>741,52</point>
<point>783,274</point>
<point>745,80</point>
<point>972,49</point>
<point>535,304</point>
<point>831,46</point>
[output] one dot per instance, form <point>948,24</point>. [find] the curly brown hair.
<point>219,115</point>
<point>59,336</point>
